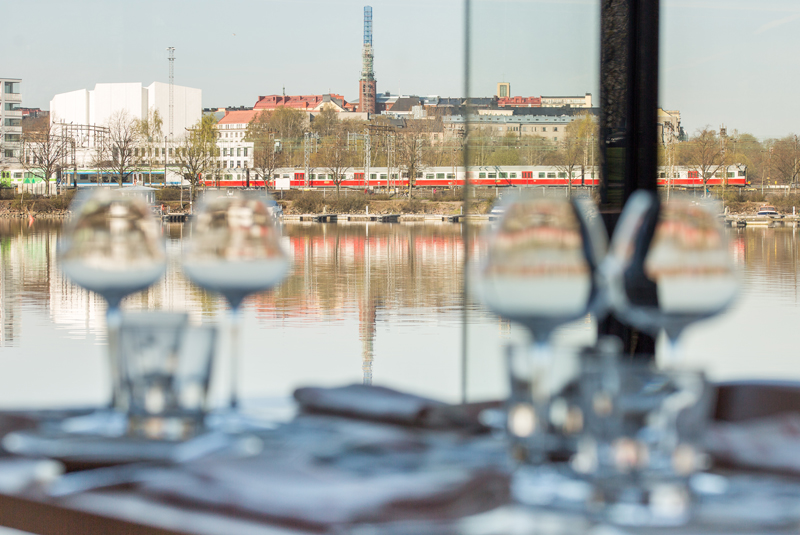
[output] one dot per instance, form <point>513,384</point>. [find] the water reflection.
<point>363,302</point>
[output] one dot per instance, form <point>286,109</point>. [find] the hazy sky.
<point>723,61</point>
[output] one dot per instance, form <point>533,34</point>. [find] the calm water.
<point>362,300</point>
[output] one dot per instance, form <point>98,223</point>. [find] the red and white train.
<point>494,176</point>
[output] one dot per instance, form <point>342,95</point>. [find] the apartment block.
<point>10,120</point>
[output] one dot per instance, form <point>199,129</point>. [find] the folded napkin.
<point>382,404</point>
<point>769,443</point>
<point>298,493</point>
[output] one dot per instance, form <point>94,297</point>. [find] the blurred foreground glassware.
<point>167,366</point>
<point>112,246</point>
<point>235,250</point>
<point>642,441</point>
<point>668,266</point>
<point>539,272</point>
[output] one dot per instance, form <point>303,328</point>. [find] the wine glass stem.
<point>235,319</point>
<point>113,324</point>
<point>540,356</point>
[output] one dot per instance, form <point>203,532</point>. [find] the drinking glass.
<point>235,250</point>
<point>167,365</point>
<point>642,440</point>
<point>112,246</point>
<point>668,266</point>
<point>538,271</point>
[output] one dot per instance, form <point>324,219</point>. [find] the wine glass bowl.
<point>539,267</point>
<point>235,249</point>
<point>112,246</point>
<point>668,265</point>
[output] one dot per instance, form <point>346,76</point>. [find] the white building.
<point>95,107</point>
<point>10,120</point>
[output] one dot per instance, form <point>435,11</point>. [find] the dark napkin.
<point>296,492</point>
<point>381,404</point>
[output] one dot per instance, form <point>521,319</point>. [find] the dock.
<point>761,221</point>
<point>174,218</point>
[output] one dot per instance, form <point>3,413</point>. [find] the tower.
<point>366,85</point>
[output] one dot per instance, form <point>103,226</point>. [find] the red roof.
<point>238,117</point>
<point>300,102</point>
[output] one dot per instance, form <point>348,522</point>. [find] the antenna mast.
<point>171,85</point>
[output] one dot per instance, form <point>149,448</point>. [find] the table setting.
<point>618,445</point>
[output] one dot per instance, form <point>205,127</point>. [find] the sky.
<point>723,62</point>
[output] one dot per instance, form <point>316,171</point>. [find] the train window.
<point>730,175</point>
<point>383,177</point>
<point>541,175</point>
<point>372,176</point>
<point>450,176</point>
<point>503,175</point>
<point>481,175</point>
<point>693,174</point>
<point>525,174</point>
<point>718,174</point>
<point>562,175</point>
<point>551,175</point>
<point>492,175</point>
<point>741,173</point>
<point>429,176</point>
<point>662,175</point>
<point>419,174</point>
<point>312,176</point>
<point>439,175</point>
<point>513,175</point>
<point>394,176</point>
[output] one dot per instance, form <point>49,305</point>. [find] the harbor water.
<point>364,302</point>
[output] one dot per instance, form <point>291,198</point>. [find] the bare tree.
<point>196,153</point>
<point>44,149</point>
<point>335,157</point>
<point>122,140</point>
<point>704,154</point>
<point>149,131</point>
<point>411,145</point>
<point>266,156</point>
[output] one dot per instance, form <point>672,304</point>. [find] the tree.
<point>411,145</point>
<point>265,158</point>
<point>149,131</point>
<point>704,154</point>
<point>122,140</point>
<point>785,159</point>
<point>44,149</point>
<point>335,157</point>
<point>326,122</point>
<point>196,153</point>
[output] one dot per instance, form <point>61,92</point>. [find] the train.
<point>429,177</point>
<point>446,177</point>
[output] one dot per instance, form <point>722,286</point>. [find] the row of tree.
<point>285,138</point>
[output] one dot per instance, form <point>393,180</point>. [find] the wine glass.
<point>112,246</point>
<point>538,271</point>
<point>668,266</point>
<point>235,250</point>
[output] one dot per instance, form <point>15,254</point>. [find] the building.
<point>94,107</point>
<point>503,90</point>
<point>668,124</point>
<point>235,154</point>
<point>10,121</point>
<point>308,103</point>
<point>570,102</point>
<point>547,125</point>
